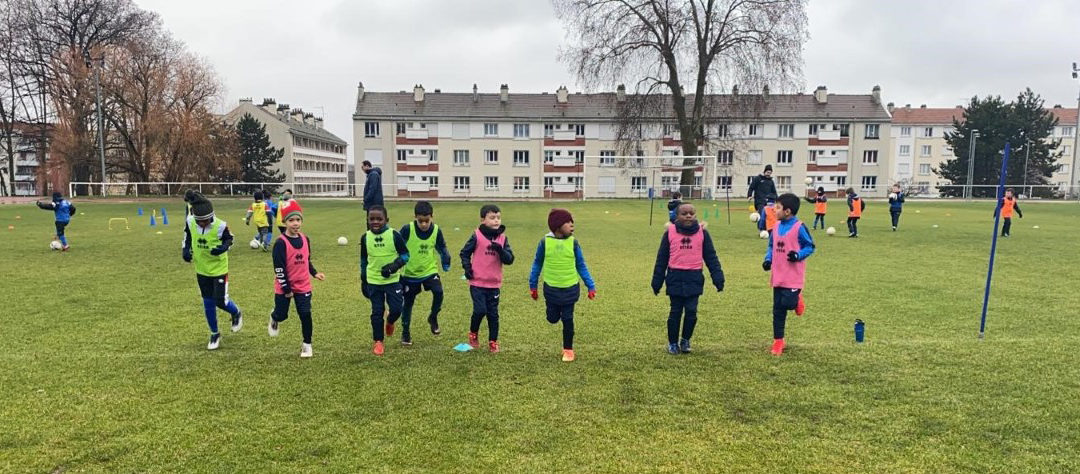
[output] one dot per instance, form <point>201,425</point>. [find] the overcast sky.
<point>312,54</point>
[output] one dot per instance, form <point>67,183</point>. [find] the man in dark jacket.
<point>761,187</point>
<point>372,185</point>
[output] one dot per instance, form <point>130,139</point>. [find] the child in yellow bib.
<point>559,259</point>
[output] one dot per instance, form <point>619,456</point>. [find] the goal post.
<point>633,176</point>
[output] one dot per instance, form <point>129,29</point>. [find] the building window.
<point>723,182</point>
<point>402,155</point>
<point>812,156</point>
<point>722,130</point>
<point>1066,150</point>
<point>491,157</point>
<point>924,169</point>
<point>461,157</point>
<point>549,181</point>
<point>549,130</point>
<point>783,182</point>
<point>521,157</point>
<point>841,181</point>
<point>814,128</point>
<point>946,150</point>
<point>461,183</point>
<point>725,157</point>
<point>491,183</point>
<point>905,150</point>
<point>399,128</point>
<point>869,183</point>
<point>371,129</point>
<point>755,129</point>
<point>783,157</point>
<point>843,128</point>
<point>926,150</point>
<point>521,130</point>
<point>637,184</point>
<point>1062,169</point>
<point>928,132</point>
<point>607,158</point>
<point>872,130</point>
<point>579,156</point>
<point>433,156</point>
<point>787,130</point>
<point>579,130</point>
<point>669,129</point>
<point>905,131</point>
<point>491,129</point>
<point>521,184</point>
<point>869,157</point>
<point>753,157</point>
<point>549,156</point>
<point>1067,131</point>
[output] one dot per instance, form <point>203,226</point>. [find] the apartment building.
<point>563,145</point>
<point>315,160</point>
<point>919,147</point>
<point>1065,131</point>
<point>31,177</point>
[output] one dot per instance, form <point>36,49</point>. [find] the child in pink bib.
<point>789,246</point>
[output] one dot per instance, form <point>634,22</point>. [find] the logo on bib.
<point>687,243</point>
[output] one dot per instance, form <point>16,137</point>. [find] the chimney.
<point>907,106</point>
<point>821,95</point>
<point>620,93</point>
<point>504,93</point>
<point>283,110</point>
<point>319,123</point>
<point>890,107</point>
<point>309,119</point>
<point>735,89</point>
<point>418,93</point>
<point>922,106</point>
<point>765,91</point>
<point>360,92</point>
<point>269,105</point>
<point>475,94</point>
<point>297,115</point>
<point>562,95</point>
<point>245,100</point>
<point>875,95</point>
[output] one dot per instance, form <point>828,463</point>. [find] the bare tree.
<point>669,46</point>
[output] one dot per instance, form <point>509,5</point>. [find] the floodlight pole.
<point>970,191</point>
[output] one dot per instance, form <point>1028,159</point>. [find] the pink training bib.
<point>685,251</point>
<point>787,274</point>
<point>486,263</point>
<point>296,267</point>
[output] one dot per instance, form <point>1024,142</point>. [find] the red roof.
<point>927,116</point>
<point>1064,116</point>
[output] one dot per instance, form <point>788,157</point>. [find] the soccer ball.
<point>831,231</point>
<point>764,234</point>
<point>754,217</point>
<point>892,195</point>
<point>254,244</point>
<point>809,181</point>
<point>56,245</point>
<point>934,226</point>
<point>342,241</point>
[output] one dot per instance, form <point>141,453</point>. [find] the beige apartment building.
<point>315,160</point>
<point>563,145</point>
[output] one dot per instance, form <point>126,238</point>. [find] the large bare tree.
<point>670,47</point>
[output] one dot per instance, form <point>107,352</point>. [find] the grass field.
<point>104,366</point>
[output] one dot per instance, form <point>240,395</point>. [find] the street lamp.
<point>97,99</point>
<point>1027,154</point>
<point>1076,138</point>
<point>969,192</point>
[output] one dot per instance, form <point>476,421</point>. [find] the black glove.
<point>766,265</point>
<point>1018,214</point>
<point>468,274</point>
<point>497,246</point>
<point>220,249</point>
<point>793,256</point>
<point>388,270</point>
<point>187,255</point>
<point>720,287</point>
<point>656,291</point>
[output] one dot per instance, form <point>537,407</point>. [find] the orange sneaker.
<point>800,307</point>
<point>474,340</point>
<point>777,347</point>
<point>389,329</point>
<point>567,355</point>
<point>378,349</point>
<point>493,347</point>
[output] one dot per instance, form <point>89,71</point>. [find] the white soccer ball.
<point>56,245</point>
<point>831,231</point>
<point>754,217</point>
<point>934,226</point>
<point>764,234</point>
<point>1034,227</point>
<point>342,241</point>
<point>809,181</point>
<point>892,195</point>
<point>254,244</point>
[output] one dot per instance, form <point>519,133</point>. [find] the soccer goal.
<point>653,176</point>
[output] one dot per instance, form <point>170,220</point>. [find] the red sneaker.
<point>378,349</point>
<point>389,329</point>
<point>800,307</point>
<point>777,347</point>
<point>567,355</point>
<point>474,340</point>
<point>493,347</point>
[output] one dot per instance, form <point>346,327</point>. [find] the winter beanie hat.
<point>201,207</point>
<point>292,209</point>
<point>558,217</point>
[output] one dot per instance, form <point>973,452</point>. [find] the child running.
<point>685,248</point>
<point>767,222</point>
<point>427,253</point>
<point>482,258</point>
<point>292,277</point>
<point>284,202</point>
<point>62,211</point>
<point>856,206</point>
<point>896,205</point>
<point>821,205</point>
<point>1005,206</point>
<point>382,254</point>
<point>786,257</point>
<point>559,258</point>
<point>257,212</point>
<point>206,244</point>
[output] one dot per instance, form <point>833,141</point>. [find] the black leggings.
<point>303,309</point>
<point>895,217</point>
<point>485,305</point>
<point>680,306</point>
<point>853,225</point>
<point>1006,227</point>
<point>564,313</point>
<point>819,218</point>
<point>784,300</point>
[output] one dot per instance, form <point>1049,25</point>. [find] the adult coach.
<point>761,187</point>
<point>372,186</point>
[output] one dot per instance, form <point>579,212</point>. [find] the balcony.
<point>828,134</point>
<point>420,187</point>
<point>564,135</point>
<point>416,134</point>
<point>564,162</point>
<point>563,188</point>
<point>25,177</point>
<point>416,160</point>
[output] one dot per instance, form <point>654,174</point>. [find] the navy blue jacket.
<point>373,188</point>
<point>686,282</point>
<point>898,203</point>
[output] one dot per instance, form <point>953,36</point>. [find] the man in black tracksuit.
<point>761,187</point>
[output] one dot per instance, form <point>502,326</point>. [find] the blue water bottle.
<point>859,330</point>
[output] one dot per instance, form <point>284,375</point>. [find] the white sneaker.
<point>237,322</point>
<point>215,341</point>
<point>305,350</point>
<point>271,327</point>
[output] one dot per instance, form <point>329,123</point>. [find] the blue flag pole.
<point>993,244</point>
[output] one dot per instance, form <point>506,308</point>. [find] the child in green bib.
<point>427,253</point>
<point>559,259</point>
<point>382,255</point>
<point>206,244</point>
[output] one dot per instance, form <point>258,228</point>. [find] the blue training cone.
<point>153,222</point>
<point>164,217</point>
<point>463,347</point>
<point>139,212</point>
